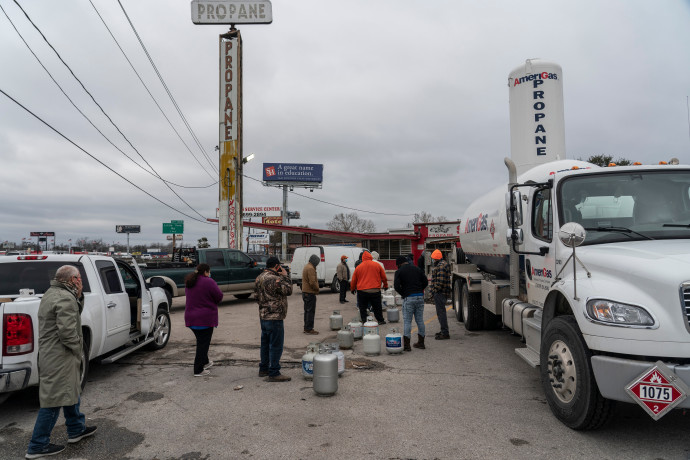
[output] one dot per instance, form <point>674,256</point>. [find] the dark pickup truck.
<point>233,270</point>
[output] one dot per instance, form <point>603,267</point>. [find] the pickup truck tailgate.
<point>18,342</point>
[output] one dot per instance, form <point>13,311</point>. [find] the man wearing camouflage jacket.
<point>272,287</point>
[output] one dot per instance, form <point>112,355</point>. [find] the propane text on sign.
<point>232,12</point>
<point>229,90</point>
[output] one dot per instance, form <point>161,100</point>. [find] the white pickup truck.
<point>122,313</point>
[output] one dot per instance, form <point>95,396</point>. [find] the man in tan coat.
<point>310,289</point>
<point>343,274</point>
<point>60,345</point>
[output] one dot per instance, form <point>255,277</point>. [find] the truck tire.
<point>457,300</point>
<point>84,366</point>
<point>243,296</point>
<point>472,310</point>
<point>567,377</point>
<point>335,285</point>
<point>161,330</point>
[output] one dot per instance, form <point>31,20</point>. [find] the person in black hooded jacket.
<point>410,283</point>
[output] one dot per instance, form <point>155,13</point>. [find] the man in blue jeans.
<point>410,283</point>
<point>59,360</point>
<point>272,287</point>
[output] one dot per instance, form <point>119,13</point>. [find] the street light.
<point>248,158</point>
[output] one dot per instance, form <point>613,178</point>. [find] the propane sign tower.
<point>537,124</point>
<point>230,12</point>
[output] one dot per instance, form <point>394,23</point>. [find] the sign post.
<point>230,12</point>
<point>128,229</point>
<point>174,227</point>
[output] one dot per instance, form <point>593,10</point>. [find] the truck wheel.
<point>472,310</point>
<point>243,296</point>
<point>335,285</point>
<point>567,377</point>
<point>161,330</point>
<point>84,366</point>
<point>457,301</point>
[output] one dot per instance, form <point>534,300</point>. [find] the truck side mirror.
<point>516,208</point>
<point>572,234</point>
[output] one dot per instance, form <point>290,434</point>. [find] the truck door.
<point>242,269</point>
<point>215,258</point>
<point>118,316</point>
<point>539,270</point>
<point>146,312</point>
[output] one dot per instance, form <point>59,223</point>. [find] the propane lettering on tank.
<point>538,79</point>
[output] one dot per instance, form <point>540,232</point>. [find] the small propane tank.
<point>346,339</point>
<point>370,325</point>
<point>308,360</point>
<point>356,328</point>
<point>388,299</point>
<point>393,315</point>
<point>336,321</point>
<point>371,343</point>
<point>335,349</point>
<point>325,374</point>
<point>398,299</point>
<point>394,343</point>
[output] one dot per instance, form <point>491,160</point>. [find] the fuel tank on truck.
<point>483,235</point>
<point>537,125</point>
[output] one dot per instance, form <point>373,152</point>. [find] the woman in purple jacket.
<point>201,313</point>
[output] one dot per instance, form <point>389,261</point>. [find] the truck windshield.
<point>34,275</point>
<point>628,206</point>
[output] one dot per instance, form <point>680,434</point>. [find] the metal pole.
<point>284,213</point>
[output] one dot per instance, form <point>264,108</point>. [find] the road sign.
<point>658,390</point>
<point>173,227</point>
<point>258,238</point>
<point>232,12</point>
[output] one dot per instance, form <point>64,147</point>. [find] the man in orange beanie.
<point>366,281</point>
<point>440,291</point>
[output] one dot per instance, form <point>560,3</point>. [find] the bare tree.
<point>203,242</point>
<point>426,217</point>
<point>351,223</point>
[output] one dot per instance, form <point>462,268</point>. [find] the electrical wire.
<point>83,114</point>
<point>101,108</point>
<point>147,89</point>
<point>99,161</point>
<point>160,77</point>
<point>334,204</point>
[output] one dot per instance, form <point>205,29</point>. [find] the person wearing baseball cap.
<point>343,274</point>
<point>440,291</point>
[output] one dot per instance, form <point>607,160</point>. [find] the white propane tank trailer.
<point>590,265</point>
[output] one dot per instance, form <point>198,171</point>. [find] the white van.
<point>325,271</point>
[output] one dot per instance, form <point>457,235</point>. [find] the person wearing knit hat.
<point>343,274</point>
<point>410,282</point>
<point>440,291</point>
<point>310,289</point>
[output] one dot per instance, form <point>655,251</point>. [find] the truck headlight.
<point>621,314</point>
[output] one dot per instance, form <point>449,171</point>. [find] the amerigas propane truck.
<point>590,265</point>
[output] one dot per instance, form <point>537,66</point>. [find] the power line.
<point>334,204</point>
<point>99,161</point>
<point>160,77</point>
<point>102,110</point>
<point>148,91</point>
<point>83,114</point>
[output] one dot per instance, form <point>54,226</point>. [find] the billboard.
<point>258,238</point>
<point>293,172</point>
<point>128,229</point>
<point>272,220</point>
<point>42,233</point>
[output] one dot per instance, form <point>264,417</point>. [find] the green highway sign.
<point>175,226</point>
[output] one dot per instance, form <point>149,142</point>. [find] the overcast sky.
<point>404,102</point>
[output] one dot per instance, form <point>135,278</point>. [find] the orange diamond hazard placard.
<point>658,390</point>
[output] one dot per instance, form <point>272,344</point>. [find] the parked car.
<point>330,258</point>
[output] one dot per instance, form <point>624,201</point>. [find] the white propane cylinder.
<point>393,315</point>
<point>325,374</point>
<point>394,341</point>
<point>335,349</point>
<point>371,343</point>
<point>387,299</point>
<point>370,325</point>
<point>356,328</point>
<point>308,360</point>
<point>336,321</point>
<point>346,339</point>
<point>537,126</point>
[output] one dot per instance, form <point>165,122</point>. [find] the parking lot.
<point>467,397</point>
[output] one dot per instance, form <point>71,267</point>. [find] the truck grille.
<point>685,300</point>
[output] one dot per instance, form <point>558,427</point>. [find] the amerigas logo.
<point>544,272</point>
<point>535,76</point>
<point>477,224</point>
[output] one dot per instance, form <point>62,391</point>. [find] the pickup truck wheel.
<point>242,296</point>
<point>457,301</point>
<point>335,285</point>
<point>567,377</point>
<point>84,365</point>
<point>161,330</point>
<point>472,310</point>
